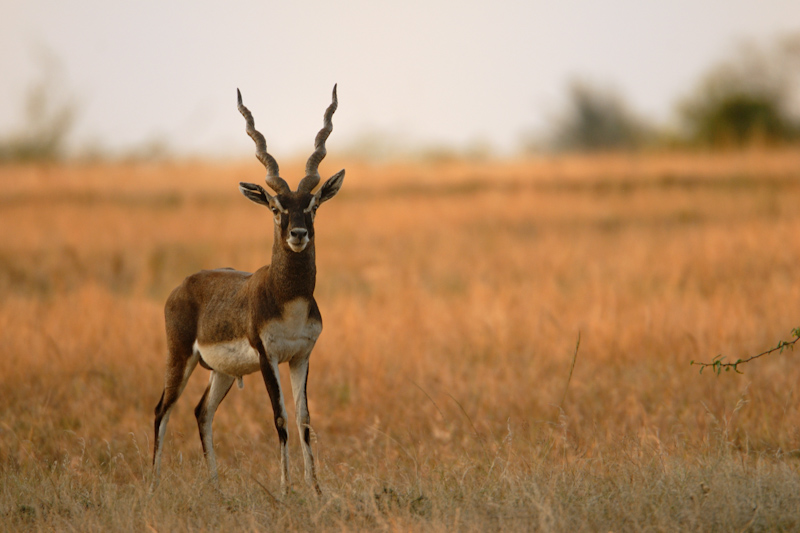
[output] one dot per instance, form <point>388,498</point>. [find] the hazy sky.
<point>445,71</point>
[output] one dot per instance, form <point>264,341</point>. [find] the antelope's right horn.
<point>312,177</point>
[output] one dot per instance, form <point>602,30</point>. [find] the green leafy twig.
<point>718,363</point>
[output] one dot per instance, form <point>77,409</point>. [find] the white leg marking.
<point>299,375</point>
<point>162,430</point>
<point>218,384</point>
<point>282,423</point>
<point>191,363</point>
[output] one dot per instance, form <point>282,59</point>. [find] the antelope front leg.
<point>299,376</point>
<point>272,380</point>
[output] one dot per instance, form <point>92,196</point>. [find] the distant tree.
<point>49,118</point>
<point>749,97</point>
<point>595,119</point>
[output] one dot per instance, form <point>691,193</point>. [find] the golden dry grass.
<point>453,296</point>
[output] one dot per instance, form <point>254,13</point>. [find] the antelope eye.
<point>275,210</point>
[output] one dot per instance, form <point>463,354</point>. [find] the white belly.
<point>294,335</point>
<point>235,358</point>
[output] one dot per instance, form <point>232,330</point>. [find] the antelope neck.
<point>292,274</point>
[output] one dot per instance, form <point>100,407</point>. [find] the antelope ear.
<point>330,187</point>
<point>255,193</point>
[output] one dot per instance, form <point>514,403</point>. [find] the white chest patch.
<point>294,335</point>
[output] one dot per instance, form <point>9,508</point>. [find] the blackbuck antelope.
<point>235,323</point>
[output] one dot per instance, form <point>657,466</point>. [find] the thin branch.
<point>718,364</point>
<point>428,396</point>
<point>477,435</point>
<point>273,499</point>
<point>571,368</point>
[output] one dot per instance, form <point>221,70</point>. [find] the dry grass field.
<point>453,296</point>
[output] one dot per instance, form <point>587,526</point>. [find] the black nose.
<point>299,233</point>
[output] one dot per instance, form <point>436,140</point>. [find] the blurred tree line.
<point>751,97</point>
